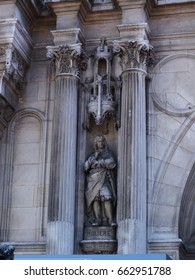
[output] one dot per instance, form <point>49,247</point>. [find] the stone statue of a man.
<point>100,192</point>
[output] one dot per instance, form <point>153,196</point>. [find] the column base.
<point>131,237</point>
<point>169,247</point>
<point>60,236</point>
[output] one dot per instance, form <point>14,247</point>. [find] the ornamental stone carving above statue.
<point>103,89</point>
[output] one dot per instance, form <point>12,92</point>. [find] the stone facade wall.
<point>153,141</point>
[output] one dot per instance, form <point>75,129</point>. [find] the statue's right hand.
<point>91,160</point>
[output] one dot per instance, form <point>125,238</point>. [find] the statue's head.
<point>100,142</point>
<point>6,251</point>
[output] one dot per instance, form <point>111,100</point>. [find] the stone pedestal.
<point>99,240</point>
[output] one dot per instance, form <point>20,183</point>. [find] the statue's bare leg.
<point>104,216</point>
<point>109,211</point>
<point>97,212</point>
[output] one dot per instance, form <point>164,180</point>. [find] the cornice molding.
<point>137,31</point>
<point>154,9</point>
<point>64,7</point>
<point>100,16</point>
<point>30,11</point>
<point>131,4</point>
<point>169,2</point>
<point>11,32</point>
<point>68,35</point>
<point>3,2</point>
<point>85,10</point>
<point>176,36</point>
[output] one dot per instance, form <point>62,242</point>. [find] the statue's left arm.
<point>109,163</point>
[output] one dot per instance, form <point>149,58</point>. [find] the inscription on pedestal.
<point>99,246</point>
<point>99,233</point>
<point>99,240</point>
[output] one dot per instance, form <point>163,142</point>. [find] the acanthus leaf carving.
<point>68,59</point>
<point>134,54</point>
<point>13,65</point>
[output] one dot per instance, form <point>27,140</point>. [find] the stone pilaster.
<point>68,61</point>
<point>131,213</point>
<point>12,72</point>
<point>15,48</point>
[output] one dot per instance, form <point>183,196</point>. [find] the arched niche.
<point>24,216</point>
<point>102,67</point>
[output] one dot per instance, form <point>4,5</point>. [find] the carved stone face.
<point>100,143</point>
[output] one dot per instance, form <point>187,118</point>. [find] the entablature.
<point>164,8</point>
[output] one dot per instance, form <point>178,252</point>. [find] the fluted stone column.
<point>131,212</point>
<point>60,235</point>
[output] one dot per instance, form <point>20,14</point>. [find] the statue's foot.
<point>104,222</point>
<point>95,224</point>
<point>113,224</point>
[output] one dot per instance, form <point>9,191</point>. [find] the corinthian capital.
<point>134,54</point>
<point>69,59</point>
<point>12,66</point>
